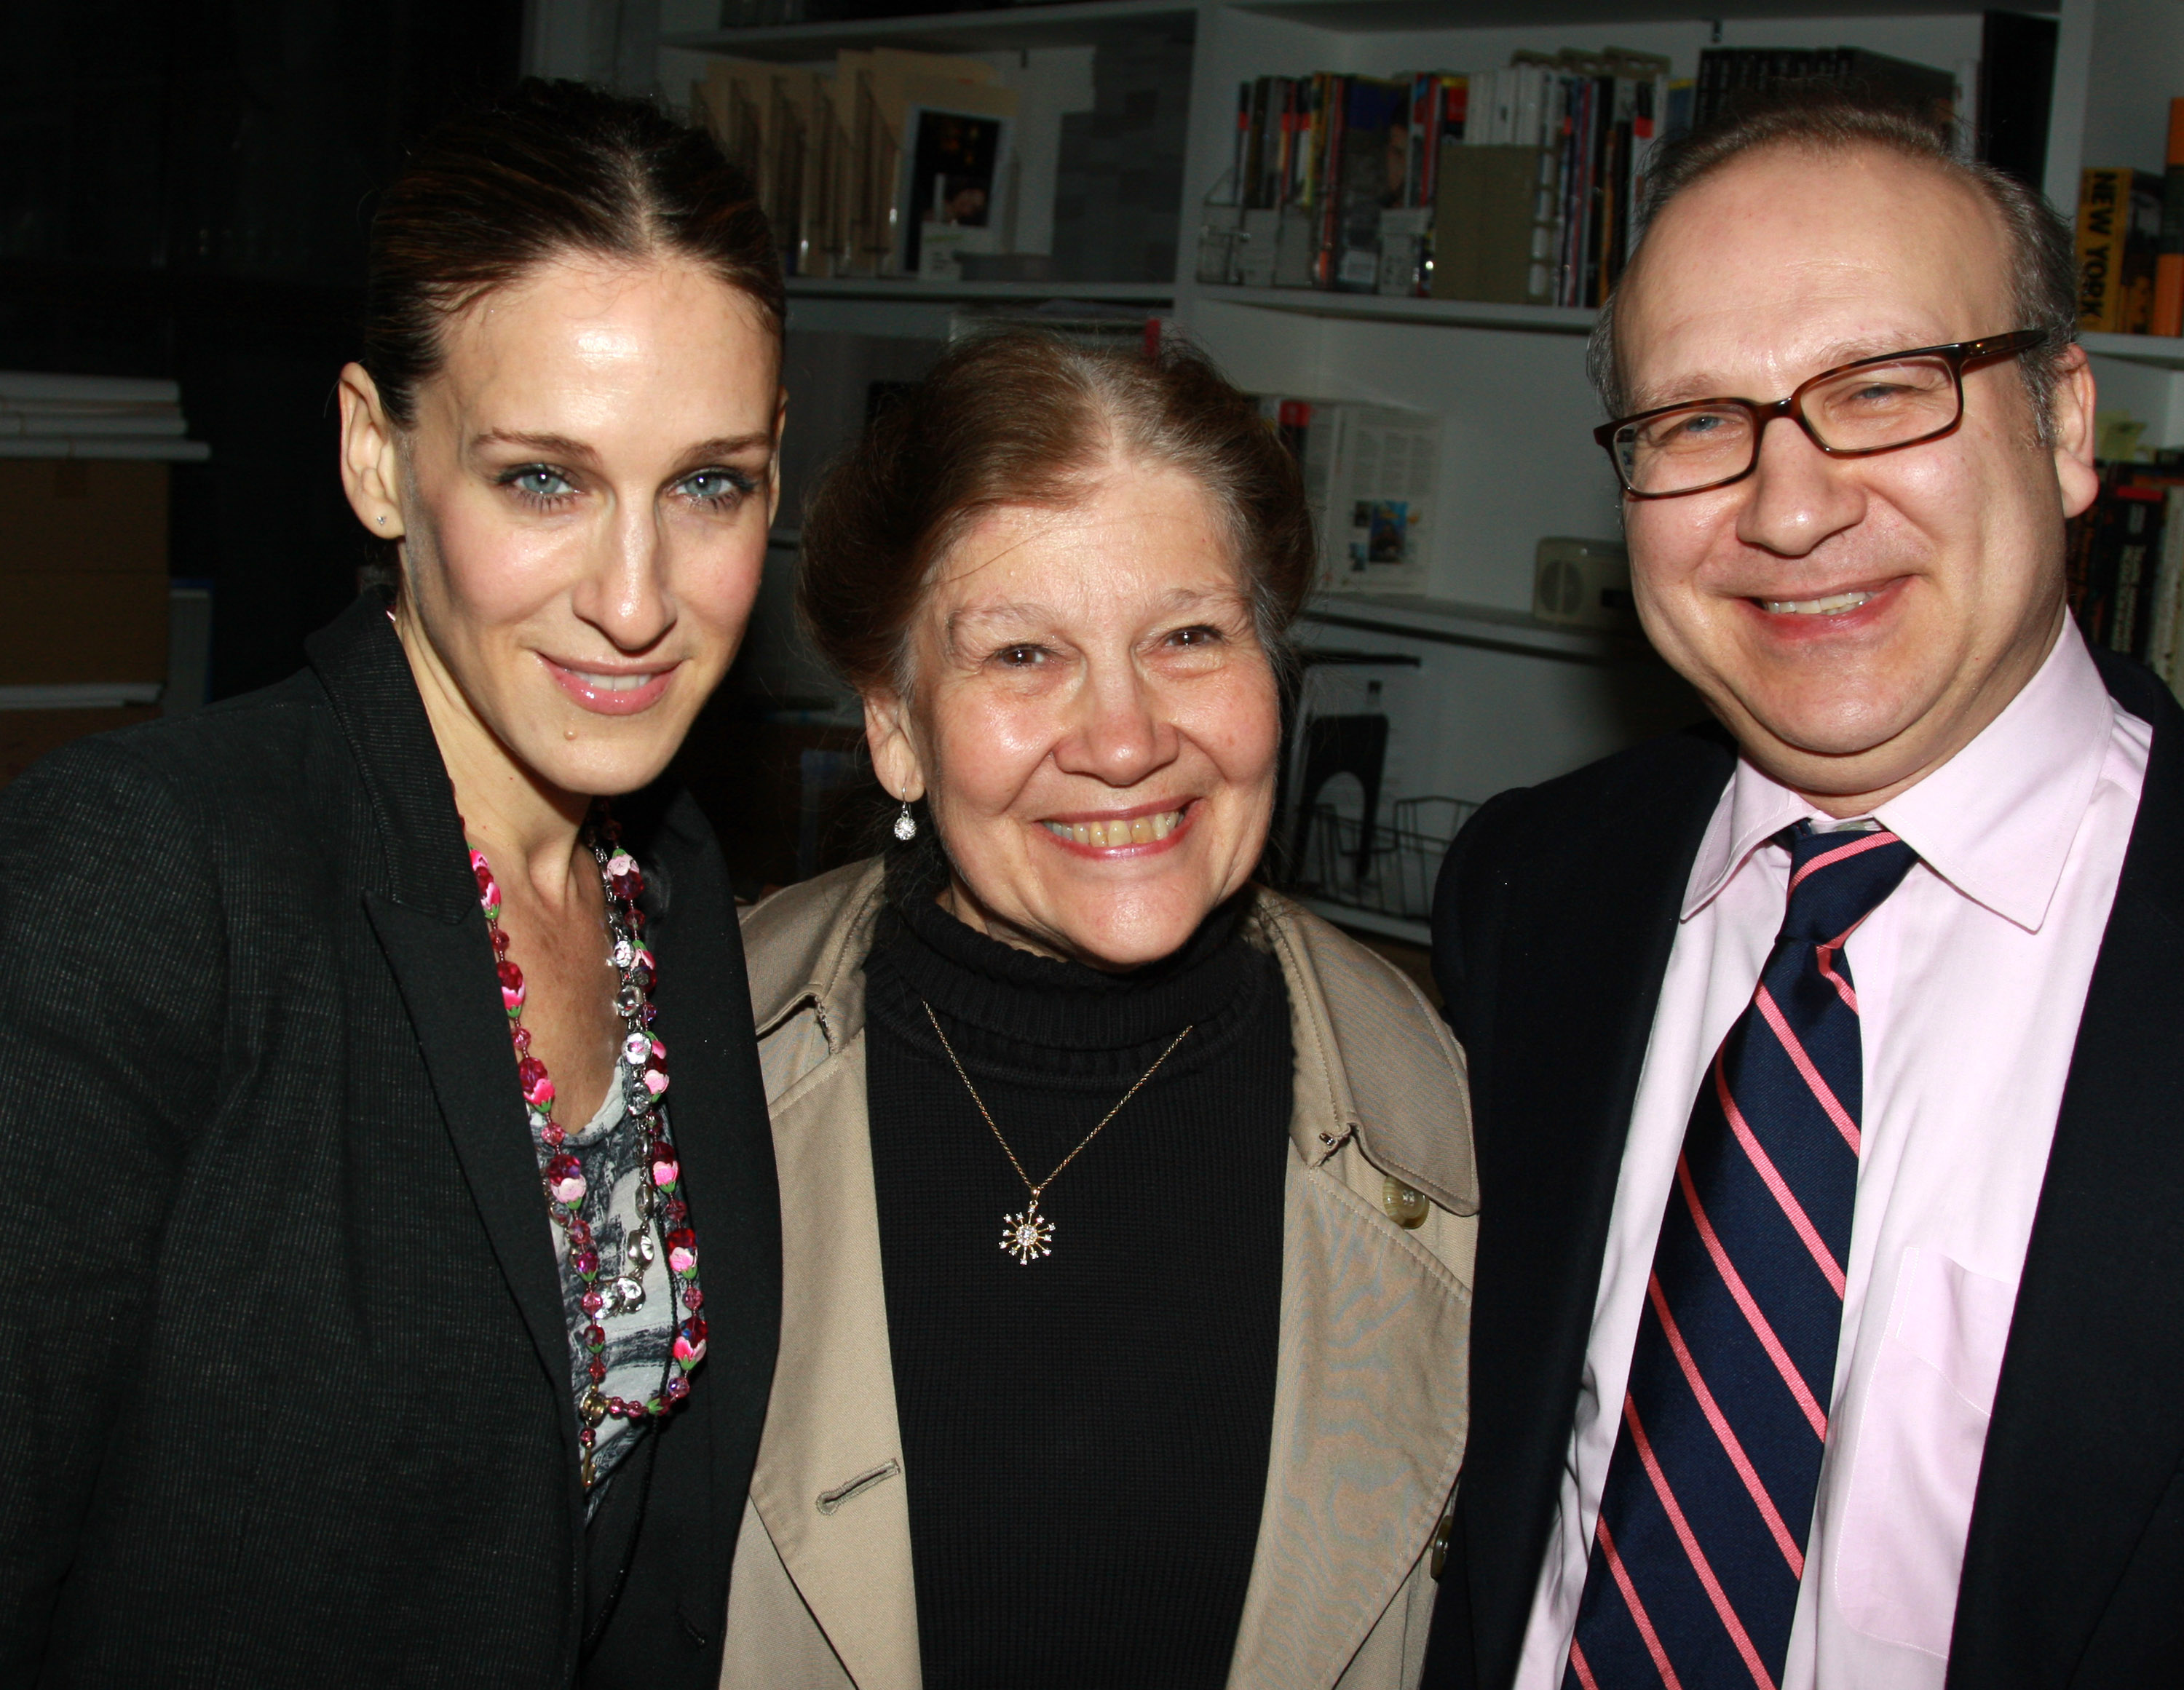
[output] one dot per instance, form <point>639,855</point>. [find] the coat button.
<point>1407,1207</point>
<point>1445,1529</point>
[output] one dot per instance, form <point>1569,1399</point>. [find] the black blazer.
<point>282,1350</point>
<point>1552,924</point>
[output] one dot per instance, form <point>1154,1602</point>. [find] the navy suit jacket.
<point>1550,949</point>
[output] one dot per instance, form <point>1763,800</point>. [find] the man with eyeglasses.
<point>1829,1063</point>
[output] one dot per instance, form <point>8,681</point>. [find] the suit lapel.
<point>1372,1381</point>
<point>424,910</point>
<point>830,1486</point>
<point>445,971</point>
<point>423,906</point>
<point>1369,1412</point>
<point>1569,960</point>
<point>2088,1422</point>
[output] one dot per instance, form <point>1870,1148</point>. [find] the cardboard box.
<point>76,514</point>
<point>61,624</point>
<point>1485,216</point>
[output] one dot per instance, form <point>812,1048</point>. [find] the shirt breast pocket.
<point>1901,1547</point>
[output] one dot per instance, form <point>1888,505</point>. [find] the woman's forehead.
<point>1135,541</point>
<point>967,620</point>
<point>586,327</point>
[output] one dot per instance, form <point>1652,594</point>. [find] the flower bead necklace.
<point>620,1289</point>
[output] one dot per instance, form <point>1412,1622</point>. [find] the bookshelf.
<point>2158,352</point>
<point>1449,622</point>
<point>1373,308</point>
<point>898,288</point>
<point>1504,699</point>
<point>1015,30</point>
<point>1531,17</point>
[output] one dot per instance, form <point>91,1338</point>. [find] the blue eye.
<point>717,488</point>
<point>538,482</point>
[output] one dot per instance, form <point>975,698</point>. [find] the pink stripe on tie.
<point>1722,1430</point>
<point>1638,1615</point>
<point>1824,1097</point>
<point>1757,1321</point>
<point>1864,842</point>
<point>1825,956</point>
<point>1580,1666</point>
<point>1715,1594</point>
<point>1793,1210</point>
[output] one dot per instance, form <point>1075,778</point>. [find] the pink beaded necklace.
<point>660,1205</point>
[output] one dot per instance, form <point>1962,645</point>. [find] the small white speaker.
<point>1583,584</point>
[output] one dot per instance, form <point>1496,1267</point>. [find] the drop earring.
<point>905,825</point>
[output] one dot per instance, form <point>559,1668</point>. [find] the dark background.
<point>184,190</point>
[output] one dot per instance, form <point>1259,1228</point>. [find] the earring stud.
<point>905,825</point>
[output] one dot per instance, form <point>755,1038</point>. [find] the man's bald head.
<point>2040,262</point>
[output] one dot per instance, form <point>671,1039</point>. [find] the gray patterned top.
<point>638,1353</point>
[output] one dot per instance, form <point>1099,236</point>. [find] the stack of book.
<point>897,164</point>
<point>1516,185</point>
<point>2120,217</point>
<point>2131,244</point>
<point>92,416</point>
<point>1542,208</point>
<point>2127,565</point>
<point>1728,75</point>
<point>1522,185</point>
<point>1319,159</point>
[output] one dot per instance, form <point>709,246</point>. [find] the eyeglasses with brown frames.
<point>1856,410</point>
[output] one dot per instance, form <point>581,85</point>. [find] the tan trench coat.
<point>1371,1398</point>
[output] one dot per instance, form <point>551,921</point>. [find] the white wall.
<point>1470,722</point>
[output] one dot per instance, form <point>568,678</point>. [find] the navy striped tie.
<point>1708,1505</point>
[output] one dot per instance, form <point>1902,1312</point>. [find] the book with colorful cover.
<point>2118,235</point>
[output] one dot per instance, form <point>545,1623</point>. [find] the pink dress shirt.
<point>1970,981</point>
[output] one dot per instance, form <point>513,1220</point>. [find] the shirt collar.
<point>1995,821</point>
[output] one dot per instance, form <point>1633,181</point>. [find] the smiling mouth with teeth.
<point>611,693</point>
<point>1137,830</point>
<point>1833,605</point>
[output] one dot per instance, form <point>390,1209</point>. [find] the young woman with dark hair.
<point>1192,1423</point>
<point>358,1254</point>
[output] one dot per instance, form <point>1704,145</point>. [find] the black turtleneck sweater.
<point>1084,1437</point>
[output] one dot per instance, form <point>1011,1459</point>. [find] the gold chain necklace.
<point>1031,1234</point>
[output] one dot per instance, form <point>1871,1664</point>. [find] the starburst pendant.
<point>1028,1236</point>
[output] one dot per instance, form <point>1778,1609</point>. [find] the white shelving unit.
<point>894,289</point>
<point>2152,352</point>
<point>1010,29</point>
<point>1504,699</point>
<point>1373,308</point>
<point>1480,626</point>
